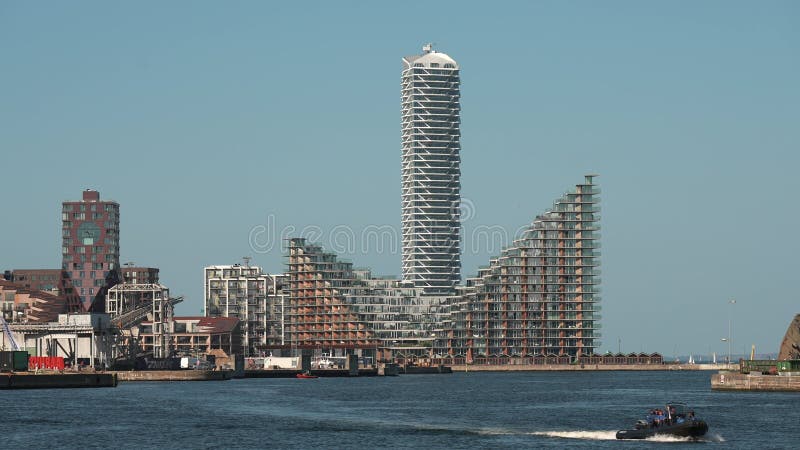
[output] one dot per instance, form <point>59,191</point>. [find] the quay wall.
<point>174,375</point>
<point>324,373</point>
<point>732,381</point>
<point>57,380</point>
<point>581,367</point>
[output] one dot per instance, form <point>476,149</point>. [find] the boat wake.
<point>612,436</point>
<point>670,438</point>
<point>712,437</point>
<point>588,435</point>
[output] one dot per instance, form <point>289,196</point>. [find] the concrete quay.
<point>425,370</point>
<point>734,381</point>
<point>322,373</point>
<point>174,375</point>
<point>581,367</point>
<point>30,380</point>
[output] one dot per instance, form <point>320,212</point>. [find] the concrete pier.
<point>581,367</point>
<point>56,380</point>
<point>174,375</point>
<point>425,370</point>
<point>322,373</point>
<point>734,381</point>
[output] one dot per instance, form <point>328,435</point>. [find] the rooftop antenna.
<point>246,261</point>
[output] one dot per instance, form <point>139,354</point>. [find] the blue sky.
<point>206,119</point>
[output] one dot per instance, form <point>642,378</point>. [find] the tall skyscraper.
<point>431,173</point>
<point>90,231</point>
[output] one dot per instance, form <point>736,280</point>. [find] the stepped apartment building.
<point>318,314</point>
<point>541,295</point>
<point>336,308</point>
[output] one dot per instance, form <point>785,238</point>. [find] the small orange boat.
<point>306,375</point>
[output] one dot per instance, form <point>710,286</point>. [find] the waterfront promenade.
<point>583,367</point>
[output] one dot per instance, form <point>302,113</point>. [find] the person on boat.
<point>659,418</point>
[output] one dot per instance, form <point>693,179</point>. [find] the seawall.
<point>733,381</point>
<point>174,375</point>
<point>57,380</point>
<point>323,373</point>
<point>581,367</point>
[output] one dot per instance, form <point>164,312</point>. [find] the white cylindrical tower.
<point>431,173</point>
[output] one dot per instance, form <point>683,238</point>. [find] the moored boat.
<point>675,420</point>
<point>306,375</point>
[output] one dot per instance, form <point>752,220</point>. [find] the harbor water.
<point>462,410</point>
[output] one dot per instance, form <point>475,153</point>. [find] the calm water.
<point>473,410</point>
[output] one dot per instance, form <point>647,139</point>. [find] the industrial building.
<point>541,295</point>
<point>128,305</point>
<point>81,339</point>
<point>431,172</point>
<point>248,294</point>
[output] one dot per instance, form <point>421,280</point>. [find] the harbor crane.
<point>9,335</point>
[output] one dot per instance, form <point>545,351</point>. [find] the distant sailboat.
<point>691,359</point>
<point>714,355</point>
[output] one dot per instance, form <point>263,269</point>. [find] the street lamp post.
<point>729,350</point>
<point>729,339</point>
